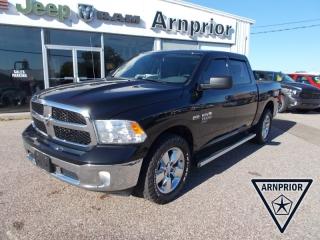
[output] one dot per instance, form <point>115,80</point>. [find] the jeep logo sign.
<point>61,12</point>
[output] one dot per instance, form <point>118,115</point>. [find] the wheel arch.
<point>180,130</point>
<point>269,106</point>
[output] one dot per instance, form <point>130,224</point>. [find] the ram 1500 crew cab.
<point>143,127</point>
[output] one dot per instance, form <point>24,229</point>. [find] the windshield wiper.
<point>119,78</point>
<point>148,77</point>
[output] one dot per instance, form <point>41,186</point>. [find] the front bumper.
<point>300,103</point>
<point>95,177</point>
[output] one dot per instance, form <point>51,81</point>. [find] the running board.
<point>225,150</point>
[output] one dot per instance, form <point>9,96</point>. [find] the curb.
<point>14,116</point>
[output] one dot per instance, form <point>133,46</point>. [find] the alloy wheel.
<point>266,126</point>
<point>170,170</point>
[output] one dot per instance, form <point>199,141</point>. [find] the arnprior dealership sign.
<point>191,27</point>
<point>161,22</point>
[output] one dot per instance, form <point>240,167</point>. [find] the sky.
<point>287,51</point>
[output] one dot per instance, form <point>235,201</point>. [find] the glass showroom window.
<point>72,38</point>
<point>66,46</point>
<point>21,70</point>
<point>119,49</point>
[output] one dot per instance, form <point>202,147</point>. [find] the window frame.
<point>247,69</point>
<point>209,61</point>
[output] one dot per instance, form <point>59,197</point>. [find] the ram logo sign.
<point>85,12</point>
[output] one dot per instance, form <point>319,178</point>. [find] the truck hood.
<point>300,87</point>
<point>105,99</point>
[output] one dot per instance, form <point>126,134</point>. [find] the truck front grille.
<point>71,135</point>
<point>63,123</point>
<point>67,116</point>
<point>37,107</point>
<point>40,125</point>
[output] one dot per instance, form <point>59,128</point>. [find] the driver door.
<point>216,111</point>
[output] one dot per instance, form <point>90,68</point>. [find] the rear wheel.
<point>168,168</point>
<point>264,127</point>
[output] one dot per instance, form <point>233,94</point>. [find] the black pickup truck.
<point>143,127</point>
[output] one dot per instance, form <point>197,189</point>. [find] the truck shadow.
<point>223,163</point>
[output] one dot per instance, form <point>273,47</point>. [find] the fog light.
<point>58,170</point>
<point>104,179</point>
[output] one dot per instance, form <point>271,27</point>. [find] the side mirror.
<point>111,72</point>
<point>218,83</point>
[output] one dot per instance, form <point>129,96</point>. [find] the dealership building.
<point>46,43</point>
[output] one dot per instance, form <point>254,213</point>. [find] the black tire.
<point>150,189</point>
<point>5,101</point>
<point>303,111</point>
<point>261,137</point>
<point>282,104</point>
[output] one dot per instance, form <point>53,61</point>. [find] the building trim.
<point>210,10</point>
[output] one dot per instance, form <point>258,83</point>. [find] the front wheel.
<point>282,107</point>
<point>169,165</point>
<point>263,128</point>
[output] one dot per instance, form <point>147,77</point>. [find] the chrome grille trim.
<point>38,108</point>
<point>35,125</point>
<point>64,115</point>
<point>50,122</point>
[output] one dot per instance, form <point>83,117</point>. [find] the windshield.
<point>287,79</point>
<point>280,77</point>
<point>316,79</point>
<point>160,67</point>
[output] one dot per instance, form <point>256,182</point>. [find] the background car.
<point>12,96</point>
<point>307,78</point>
<point>294,95</point>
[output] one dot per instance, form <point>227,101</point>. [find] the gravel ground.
<point>219,201</point>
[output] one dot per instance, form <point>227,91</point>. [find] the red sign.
<point>4,4</point>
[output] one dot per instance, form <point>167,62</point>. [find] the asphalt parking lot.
<point>219,201</point>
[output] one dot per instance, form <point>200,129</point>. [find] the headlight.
<point>293,92</point>
<point>119,132</point>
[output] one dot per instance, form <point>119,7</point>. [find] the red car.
<point>308,78</point>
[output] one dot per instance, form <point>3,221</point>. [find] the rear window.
<point>264,76</point>
<point>239,72</point>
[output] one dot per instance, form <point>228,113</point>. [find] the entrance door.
<point>60,67</point>
<point>69,64</point>
<point>89,65</point>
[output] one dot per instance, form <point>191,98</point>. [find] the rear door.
<point>245,93</point>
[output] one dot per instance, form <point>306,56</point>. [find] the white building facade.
<point>46,43</point>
